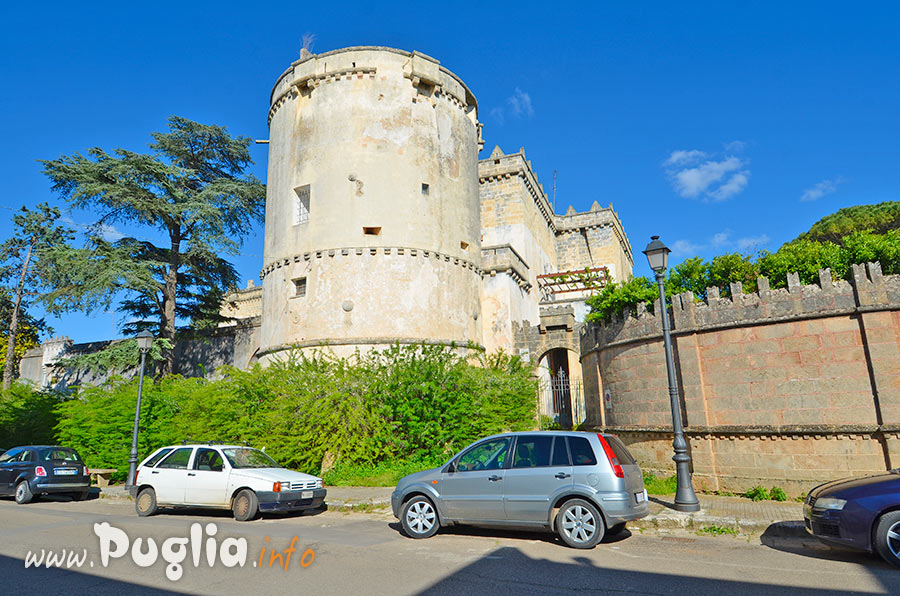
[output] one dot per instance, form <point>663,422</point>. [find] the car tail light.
<point>87,472</point>
<point>136,474</point>
<point>40,471</point>
<point>276,487</point>
<point>611,456</point>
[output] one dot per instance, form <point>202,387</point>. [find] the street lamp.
<point>685,498</point>
<point>144,341</point>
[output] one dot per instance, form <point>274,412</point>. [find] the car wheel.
<point>579,524</point>
<point>887,537</point>
<point>145,503</point>
<point>616,529</point>
<point>80,496</point>
<point>419,518</point>
<point>23,493</point>
<point>245,506</point>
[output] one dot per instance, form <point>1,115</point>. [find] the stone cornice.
<point>370,250</point>
<point>372,341</point>
<point>764,432</point>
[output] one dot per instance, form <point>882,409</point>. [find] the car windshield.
<point>245,457</point>
<point>60,455</point>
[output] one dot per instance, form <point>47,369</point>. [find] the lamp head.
<point>657,254</point>
<point>144,340</point>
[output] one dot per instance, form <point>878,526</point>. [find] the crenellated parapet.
<point>500,167</point>
<point>869,290</point>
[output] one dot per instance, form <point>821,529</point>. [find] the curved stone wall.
<point>372,210</point>
<point>815,361</point>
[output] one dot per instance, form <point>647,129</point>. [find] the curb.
<point>698,520</point>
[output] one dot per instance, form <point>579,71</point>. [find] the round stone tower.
<point>372,210</point>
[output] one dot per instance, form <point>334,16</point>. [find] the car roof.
<point>219,445</point>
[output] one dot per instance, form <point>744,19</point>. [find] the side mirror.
<point>452,468</point>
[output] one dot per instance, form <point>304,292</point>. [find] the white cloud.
<point>696,174</point>
<point>520,103</point>
<point>734,147</point>
<point>517,105</point>
<point>752,243</point>
<point>106,231</point>
<point>820,189</point>
<point>683,248</point>
<point>719,243</point>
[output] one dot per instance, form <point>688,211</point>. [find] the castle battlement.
<point>869,290</point>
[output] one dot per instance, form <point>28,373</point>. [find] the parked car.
<point>861,513</point>
<point>34,470</point>
<point>581,485</point>
<point>235,477</point>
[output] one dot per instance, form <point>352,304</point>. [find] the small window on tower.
<point>301,205</point>
<point>372,231</point>
<point>300,286</point>
<point>425,189</point>
<point>464,245</point>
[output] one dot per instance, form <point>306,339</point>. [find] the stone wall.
<point>789,386</point>
<point>200,355</point>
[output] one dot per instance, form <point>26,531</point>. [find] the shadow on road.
<point>503,532</point>
<point>809,546</point>
<point>18,580</point>
<point>508,571</point>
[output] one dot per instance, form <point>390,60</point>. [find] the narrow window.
<point>464,245</point>
<point>301,205</point>
<point>300,286</point>
<point>425,188</point>
<point>372,231</point>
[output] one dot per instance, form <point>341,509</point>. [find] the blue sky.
<point>720,129</point>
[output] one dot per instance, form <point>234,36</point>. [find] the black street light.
<point>144,341</point>
<point>685,498</point>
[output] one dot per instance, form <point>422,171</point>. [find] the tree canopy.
<point>879,219</point>
<point>192,189</point>
<point>25,267</point>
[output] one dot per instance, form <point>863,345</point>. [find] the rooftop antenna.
<point>553,205</point>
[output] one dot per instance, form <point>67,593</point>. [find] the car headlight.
<point>830,503</point>
<point>319,483</point>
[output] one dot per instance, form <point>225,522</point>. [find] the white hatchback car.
<point>235,477</point>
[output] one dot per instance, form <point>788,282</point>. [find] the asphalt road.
<point>355,553</point>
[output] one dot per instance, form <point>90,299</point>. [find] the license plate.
<point>307,494</point>
<point>65,471</point>
<point>639,497</point>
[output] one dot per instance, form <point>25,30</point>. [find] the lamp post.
<point>685,498</point>
<point>144,341</point>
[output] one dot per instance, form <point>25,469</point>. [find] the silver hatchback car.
<point>581,485</point>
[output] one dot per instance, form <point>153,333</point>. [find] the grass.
<point>660,485</point>
<point>383,474</point>
<point>715,530</point>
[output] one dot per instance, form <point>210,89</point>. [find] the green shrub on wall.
<point>802,256</point>
<point>412,403</point>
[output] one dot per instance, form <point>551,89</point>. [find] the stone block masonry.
<point>789,387</point>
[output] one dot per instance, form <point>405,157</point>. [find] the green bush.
<point>406,406</point>
<point>27,415</point>
<point>777,494</point>
<point>98,421</point>
<point>757,493</point>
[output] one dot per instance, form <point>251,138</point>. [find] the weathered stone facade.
<point>787,387</point>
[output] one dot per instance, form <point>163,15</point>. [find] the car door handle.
<point>191,474</point>
<point>495,478</point>
<point>154,472</point>
<point>562,475</point>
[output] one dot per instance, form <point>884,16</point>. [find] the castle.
<point>384,227</point>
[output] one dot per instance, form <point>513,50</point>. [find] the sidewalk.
<point>774,518</point>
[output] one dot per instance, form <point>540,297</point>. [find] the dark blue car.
<point>34,470</point>
<point>862,513</point>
